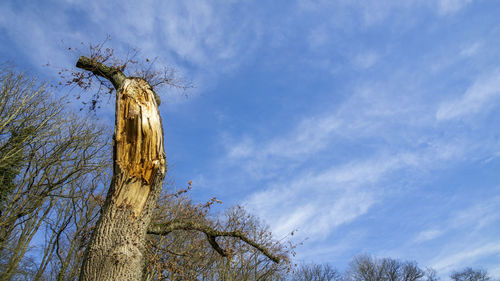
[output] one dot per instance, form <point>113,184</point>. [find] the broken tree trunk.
<point>116,249</point>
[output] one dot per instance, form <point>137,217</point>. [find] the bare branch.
<point>114,75</point>
<point>166,228</point>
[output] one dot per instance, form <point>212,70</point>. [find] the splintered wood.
<point>139,143</point>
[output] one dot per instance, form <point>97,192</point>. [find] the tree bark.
<point>116,248</point>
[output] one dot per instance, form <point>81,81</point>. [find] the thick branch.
<point>115,76</point>
<point>166,228</point>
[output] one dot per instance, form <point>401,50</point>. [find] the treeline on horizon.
<point>55,167</point>
<point>368,268</point>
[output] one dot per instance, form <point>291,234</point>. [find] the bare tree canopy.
<point>46,155</point>
<point>470,274</point>
<point>53,166</point>
<point>368,268</point>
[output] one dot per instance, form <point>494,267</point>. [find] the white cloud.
<point>209,38</point>
<point>310,136</point>
<point>465,255</point>
<point>452,6</point>
<point>242,149</point>
<point>315,205</point>
<point>319,199</point>
<point>427,235</point>
<point>35,36</point>
<point>374,12</point>
<point>477,216</point>
<point>318,37</point>
<point>471,50</point>
<point>369,12</point>
<point>465,237</point>
<point>318,202</point>
<point>344,189</point>
<point>366,60</point>
<point>478,98</point>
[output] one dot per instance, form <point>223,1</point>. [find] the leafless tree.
<point>317,272</point>
<point>44,150</point>
<point>368,268</point>
<point>470,274</point>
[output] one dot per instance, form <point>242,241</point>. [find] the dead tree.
<point>115,251</point>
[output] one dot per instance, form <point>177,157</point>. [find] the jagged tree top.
<point>103,72</point>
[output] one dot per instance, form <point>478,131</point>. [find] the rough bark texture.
<point>116,249</point>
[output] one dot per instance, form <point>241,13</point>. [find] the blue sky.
<point>370,126</point>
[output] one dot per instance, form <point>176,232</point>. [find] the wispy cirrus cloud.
<point>479,98</point>
<point>452,6</point>
<point>375,12</point>
<point>472,217</point>
<point>366,60</point>
<point>465,255</point>
<point>317,202</point>
<point>341,191</point>
<point>428,234</point>
<point>465,236</point>
<point>205,38</point>
<point>393,133</point>
<point>471,49</point>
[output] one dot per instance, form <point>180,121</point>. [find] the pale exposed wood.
<point>139,143</point>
